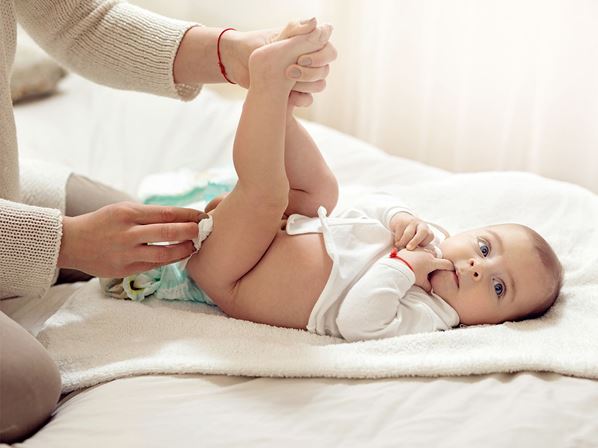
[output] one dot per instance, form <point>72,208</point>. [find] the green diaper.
<point>168,282</point>
<point>171,282</point>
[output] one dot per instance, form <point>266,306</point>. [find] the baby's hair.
<point>554,268</point>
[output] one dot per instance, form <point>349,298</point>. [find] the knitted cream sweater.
<point>110,42</point>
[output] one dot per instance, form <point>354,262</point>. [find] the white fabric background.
<point>461,85</point>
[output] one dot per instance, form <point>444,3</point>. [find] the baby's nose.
<point>475,269</point>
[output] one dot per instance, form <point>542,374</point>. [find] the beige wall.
<point>465,86</point>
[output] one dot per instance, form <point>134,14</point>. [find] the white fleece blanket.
<point>94,338</point>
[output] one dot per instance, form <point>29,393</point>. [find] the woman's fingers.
<point>319,58</point>
<point>137,268</point>
<point>307,74</point>
<point>162,233</point>
<point>153,214</point>
<point>310,87</point>
<point>160,255</point>
<point>306,43</point>
<point>105,243</point>
<point>310,76</point>
<point>299,99</point>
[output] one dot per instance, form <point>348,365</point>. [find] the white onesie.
<point>368,294</point>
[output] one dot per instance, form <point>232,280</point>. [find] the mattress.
<point>102,133</point>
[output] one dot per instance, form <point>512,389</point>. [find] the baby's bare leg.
<point>311,181</point>
<point>248,219</point>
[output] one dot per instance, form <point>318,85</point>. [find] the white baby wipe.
<point>168,282</point>
<point>205,227</point>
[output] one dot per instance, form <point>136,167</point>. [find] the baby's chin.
<point>442,283</point>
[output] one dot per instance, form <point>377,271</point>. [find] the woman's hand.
<point>410,231</point>
<point>309,71</point>
<point>268,65</point>
<point>111,242</point>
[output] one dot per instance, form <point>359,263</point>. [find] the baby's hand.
<point>410,231</point>
<point>423,264</point>
<point>268,65</point>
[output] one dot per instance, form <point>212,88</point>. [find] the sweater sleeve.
<point>110,42</point>
<point>376,306</point>
<point>29,251</point>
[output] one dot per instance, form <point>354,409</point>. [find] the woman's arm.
<point>197,61</point>
<point>124,46</point>
<point>110,42</point>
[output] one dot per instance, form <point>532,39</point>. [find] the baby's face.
<point>498,275</point>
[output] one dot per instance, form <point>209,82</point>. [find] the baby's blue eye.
<point>499,289</point>
<point>484,248</point>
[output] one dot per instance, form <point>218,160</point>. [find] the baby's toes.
<point>296,28</point>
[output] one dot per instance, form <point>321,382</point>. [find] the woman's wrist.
<point>196,61</point>
<point>64,255</point>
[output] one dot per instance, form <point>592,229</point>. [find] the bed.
<point>103,133</point>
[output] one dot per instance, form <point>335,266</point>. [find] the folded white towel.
<point>94,338</point>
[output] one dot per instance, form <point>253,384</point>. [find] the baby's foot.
<point>267,65</point>
<point>296,28</point>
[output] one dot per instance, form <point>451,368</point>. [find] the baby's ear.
<point>296,29</point>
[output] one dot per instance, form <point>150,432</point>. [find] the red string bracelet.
<point>394,254</point>
<point>220,64</point>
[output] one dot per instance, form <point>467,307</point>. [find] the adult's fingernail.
<point>304,21</point>
<point>305,62</point>
<point>295,73</point>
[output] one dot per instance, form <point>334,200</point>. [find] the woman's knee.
<point>29,382</point>
<point>85,195</point>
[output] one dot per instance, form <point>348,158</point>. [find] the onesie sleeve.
<point>382,207</point>
<point>110,42</point>
<point>375,307</point>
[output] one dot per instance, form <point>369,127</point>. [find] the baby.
<point>339,275</point>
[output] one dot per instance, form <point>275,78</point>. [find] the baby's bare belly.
<point>284,286</point>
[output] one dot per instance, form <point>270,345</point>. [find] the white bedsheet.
<point>132,338</point>
<point>90,127</point>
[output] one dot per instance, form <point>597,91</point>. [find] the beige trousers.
<point>29,378</point>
